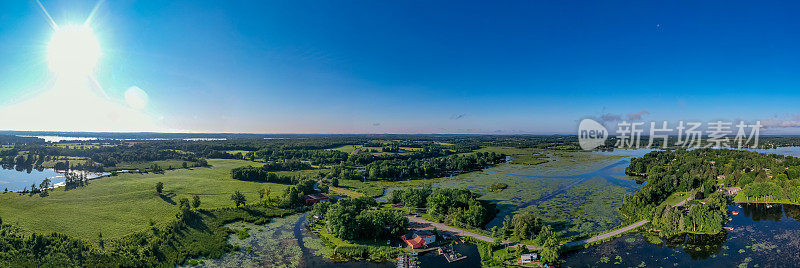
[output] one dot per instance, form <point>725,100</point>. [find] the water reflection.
<point>760,212</point>
<point>761,235</point>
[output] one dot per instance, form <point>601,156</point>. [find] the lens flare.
<point>73,51</point>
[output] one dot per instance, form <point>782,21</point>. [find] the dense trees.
<point>705,218</point>
<point>522,226</point>
<point>763,178</point>
<point>550,242</point>
<point>293,195</point>
<point>249,173</point>
<point>458,207</point>
<point>352,219</point>
<point>74,180</point>
<point>315,157</point>
<point>413,168</point>
<point>768,191</point>
<point>430,167</point>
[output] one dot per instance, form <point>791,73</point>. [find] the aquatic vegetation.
<point>243,233</point>
<point>272,244</point>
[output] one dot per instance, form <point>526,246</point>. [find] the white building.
<point>528,258</point>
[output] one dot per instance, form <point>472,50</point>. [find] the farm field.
<point>346,148</point>
<point>126,203</point>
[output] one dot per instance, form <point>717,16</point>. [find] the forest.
<point>707,173</point>
<point>456,207</point>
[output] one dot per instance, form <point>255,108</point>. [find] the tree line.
<point>354,219</point>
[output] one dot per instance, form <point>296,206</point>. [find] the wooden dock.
<point>450,255</point>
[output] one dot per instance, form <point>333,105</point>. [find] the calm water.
<point>766,237</point>
<point>761,237</point>
<point>17,180</point>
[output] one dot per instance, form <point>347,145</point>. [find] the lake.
<point>761,237</point>
<point>18,180</point>
<point>767,237</point>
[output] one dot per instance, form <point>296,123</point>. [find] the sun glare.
<point>73,51</point>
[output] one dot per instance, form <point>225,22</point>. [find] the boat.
<point>769,206</point>
<point>729,228</point>
<point>735,213</point>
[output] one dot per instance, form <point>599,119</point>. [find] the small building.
<point>418,239</point>
<point>733,190</point>
<point>427,236</point>
<point>315,198</point>
<point>529,258</point>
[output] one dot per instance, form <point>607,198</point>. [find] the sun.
<point>73,51</point>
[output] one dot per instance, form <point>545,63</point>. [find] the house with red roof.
<point>418,239</point>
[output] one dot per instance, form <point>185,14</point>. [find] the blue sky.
<point>423,66</point>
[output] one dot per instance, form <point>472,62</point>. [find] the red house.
<point>314,198</point>
<point>418,239</point>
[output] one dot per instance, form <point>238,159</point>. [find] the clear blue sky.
<point>424,66</point>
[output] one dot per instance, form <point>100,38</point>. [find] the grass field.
<point>676,198</point>
<point>83,145</point>
<point>164,164</point>
<point>126,203</point>
<point>346,148</point>
<point>238,151</point>
<point>72,161</point>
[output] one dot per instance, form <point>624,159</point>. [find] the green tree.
<point>100,241</point>
<point>196,201</point>
<point>185,206</point>
<point>238,198</point>
<point>159,187</point>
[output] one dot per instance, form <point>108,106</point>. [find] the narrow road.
<point>606,235</point>
<point>684,201</point>
<point>456,231</point>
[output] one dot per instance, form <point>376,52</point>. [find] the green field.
<point>676,198</point>
<point>347,148</point>
<point>164,164</point>
<point>83,145</point>
<point>126,203</point>
<point>238,151</point>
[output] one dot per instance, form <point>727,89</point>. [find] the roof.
<point>413,240</point>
